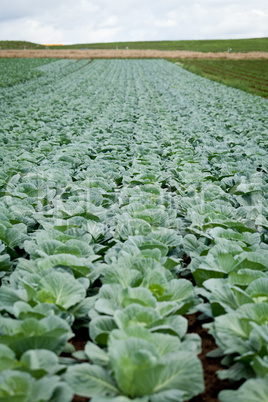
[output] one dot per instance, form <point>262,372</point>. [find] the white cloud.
<point>165,23</point>
<point>66,21</point>
<point>31,30</point>
<point>110,21</point>
<point>259,13</point>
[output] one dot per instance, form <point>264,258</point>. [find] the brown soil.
<point>130,53</point>
<point>80,339</point>
<point>213,385</point>
<point>79,342</point>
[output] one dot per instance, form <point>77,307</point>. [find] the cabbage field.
<point>133,196</point>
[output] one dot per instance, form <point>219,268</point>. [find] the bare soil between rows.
<point>127,54</point>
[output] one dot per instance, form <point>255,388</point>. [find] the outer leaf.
<point>138,295</point>
<point>49,333</point>
<point>41,359</point>
<point>172,395</point>
<point>15,386</point>
<point>252,390</point>
<point>96,354</point>
<point>100,328</point>
<point>258,290</point>
<point>140,371</point>
<point>133,227</point>
<point>43,389</point>
<point>81,266</point>
<point>62,393</point>
<point>118,399</point>
<point>61,289</point>
<point>89,380</point>
<point>7,359</point>
<point>183,371</point>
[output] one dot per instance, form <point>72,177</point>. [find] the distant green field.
<point>248,75</point>
<point>18,44</point>
<point>237,45</point>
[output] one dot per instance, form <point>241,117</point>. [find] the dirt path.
<point>130,53</point>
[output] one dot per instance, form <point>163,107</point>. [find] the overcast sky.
<point>92,21</point>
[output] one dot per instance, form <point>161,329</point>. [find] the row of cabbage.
<point>111,172</point>
<point>15,71</point>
